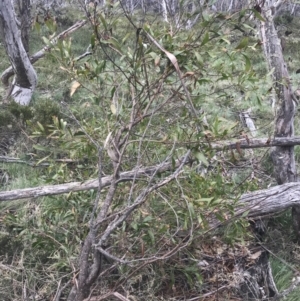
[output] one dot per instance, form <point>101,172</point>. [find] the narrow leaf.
<point>258,15</point>
<point>205,39</point>
<point>201,158</point>
<point>243,44</point>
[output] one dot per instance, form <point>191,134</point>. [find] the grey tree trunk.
<point>9,72</point>
<point>25,80</point>
<point>283,157</point>
<point>24,7</point>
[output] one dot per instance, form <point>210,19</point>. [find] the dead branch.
<point>269,201</point>
<point>257,203</point>
<point>41,53</point>
<point>247,143</point>
<point>136,174</point>
<point>224,145</point>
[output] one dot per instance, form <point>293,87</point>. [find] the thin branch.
<point>247,143</point>
<point>141,198</point>
<point>222,145</point>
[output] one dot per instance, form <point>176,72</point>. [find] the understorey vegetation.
<point>132,174</point>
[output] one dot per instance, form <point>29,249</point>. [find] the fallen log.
<point>135,174</point>
<point>269,201</point>
<point>257,203</point>
<point>246,143</point>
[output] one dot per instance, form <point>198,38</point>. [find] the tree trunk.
<point>5,76</point>
<point>283,157</point>
<point>24,7</point>
<point>164,10</point>
<point>25,81</point>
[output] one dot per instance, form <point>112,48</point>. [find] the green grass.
<point>284,277</point>
<point>21,176</point>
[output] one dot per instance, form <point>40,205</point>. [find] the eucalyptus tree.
<point>283,96</point>
<point>25,80</point>
<point>24,12</point>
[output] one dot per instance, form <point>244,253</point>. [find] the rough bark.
<point>41,53</point>
<point>26,79</point>
<point>248,143</point>
<point>164,10</point>
<point>24,7</point>
<point>283,157</point>
<point>268,201</point>
<point>257,280</point>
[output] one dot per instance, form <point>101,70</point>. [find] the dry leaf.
<point>189,73</point>
<point>75,85</point>
<point>255,255</point>
<point>157,61</point>
<point>220,250</point>
<point>113,109</point>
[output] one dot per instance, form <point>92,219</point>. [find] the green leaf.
<point>191,209</point>
<point>199,58</point>
<point>245,214</point>
<point>201,158</point>
<point>257,15</point>
<point>202,81</point>
<point>37,27</point>
<point>151,235</point>
<point>93,39</point>
<point>114,42</point>
<point>102,18</point>
<point>247,63</point>
<point>226,40</point>
<point>205,200</point>
<point>205,39</point>
<point>112,92</point>
<point>125,38</point>
<point>41,126</point>
<point>42,160</point>
<point>79,133</point>
<point>173,163</point>
<point>220,217</point>
<point>41,148</point>
<point>243,44</point>
<point>258,100</point>
<point>46,41</point>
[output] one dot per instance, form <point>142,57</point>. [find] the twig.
<point>208,294</point>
